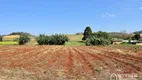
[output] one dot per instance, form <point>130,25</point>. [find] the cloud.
<point>140,7</point>
<point>108,15</point>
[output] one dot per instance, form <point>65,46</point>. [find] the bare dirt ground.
<point>69,63</point>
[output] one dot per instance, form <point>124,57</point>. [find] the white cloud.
<point>108,15</point>
<point>140,7</point>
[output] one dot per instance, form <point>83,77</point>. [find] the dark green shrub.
<point>23,39</point>
<point>20,33</point>
<point>87,33</point>
<point>43,39</point>
<point>101,34</point>
<point>97,41</point>
<point>136,37</point>
<point>0,38</point>
<point>57,39</point>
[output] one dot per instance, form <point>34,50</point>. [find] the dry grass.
<point>16,74</point>
<point>75,37</point>
<point>10,37</point>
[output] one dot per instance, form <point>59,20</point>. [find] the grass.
<point>8,43</point>
<point>75,43</point>
<point>10,37</point>
<point>75,40</point>
<point>128,46</point>
<point>75,37</point>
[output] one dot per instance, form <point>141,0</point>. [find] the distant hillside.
<point>138,32</point>
<point>75,37</point>
<point>20,33</point>
<point>120,35</point>
<point>10,37</point>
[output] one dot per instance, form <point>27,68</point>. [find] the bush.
<point>97,41</point>
<point>101,34</point>
<point>43,39</point>
<point>0,38</point>
<point>23,39</point>
<point>56,39</point>
<point>136,37</point>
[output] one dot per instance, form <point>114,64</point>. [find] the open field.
<point>10,37</point>
<point>8,43</point>
<point>75,37</point>
<point>68,62</point>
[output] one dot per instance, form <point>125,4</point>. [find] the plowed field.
<point>68,62</point>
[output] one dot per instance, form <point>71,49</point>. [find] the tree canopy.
<point>87,33</point>
<point>137,36</point>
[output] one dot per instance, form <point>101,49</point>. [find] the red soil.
<point>74,61</point>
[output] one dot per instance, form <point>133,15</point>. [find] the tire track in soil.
<point>102,62</point>
<point>5,48</point>
<point>53,60</point>
<point>26,51</point>
<point>12,53</point>
<point>134,60</point>
<point>134,69</point>
<point>41,61</point>
<point>76,65</point>
<point>8,52</point>
<point>10,59</point>
<point>127,57</point>
<point>86,65</point>
<point>130,61</point>
<point>47,55</point>
<point>25,56</point>
<point>40,53</point>
<point>116,61</point>
<point>69,60</point>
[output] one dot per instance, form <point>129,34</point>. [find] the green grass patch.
<point>8,43</point>
<point>75,37</point>
<point>75,43</point>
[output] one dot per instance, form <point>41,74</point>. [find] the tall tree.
<point>87,32</point>
<point>137,36</point>
<point>0,37</point>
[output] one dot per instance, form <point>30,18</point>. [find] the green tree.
<point>87,33</point>
<point>20,33</point>
<point>23,39</point>
<point>0,37</point>
<point>101,34</point>
<point>97,41</point>
<point>57,39</point>
<point>137,36</point>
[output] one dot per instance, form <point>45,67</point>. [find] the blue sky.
<point>69,16</point>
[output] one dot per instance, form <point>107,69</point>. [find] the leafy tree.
<point>0,37</point>
<point>137,36</point>
<point>20,33</point>
<point>56,39</point>
<point>87,33</point>
<point>92,40</point>
<point>98,38</point>
<point>23,39</point>
<point>101,34</point>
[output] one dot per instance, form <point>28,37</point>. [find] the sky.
<point>69,16</point>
